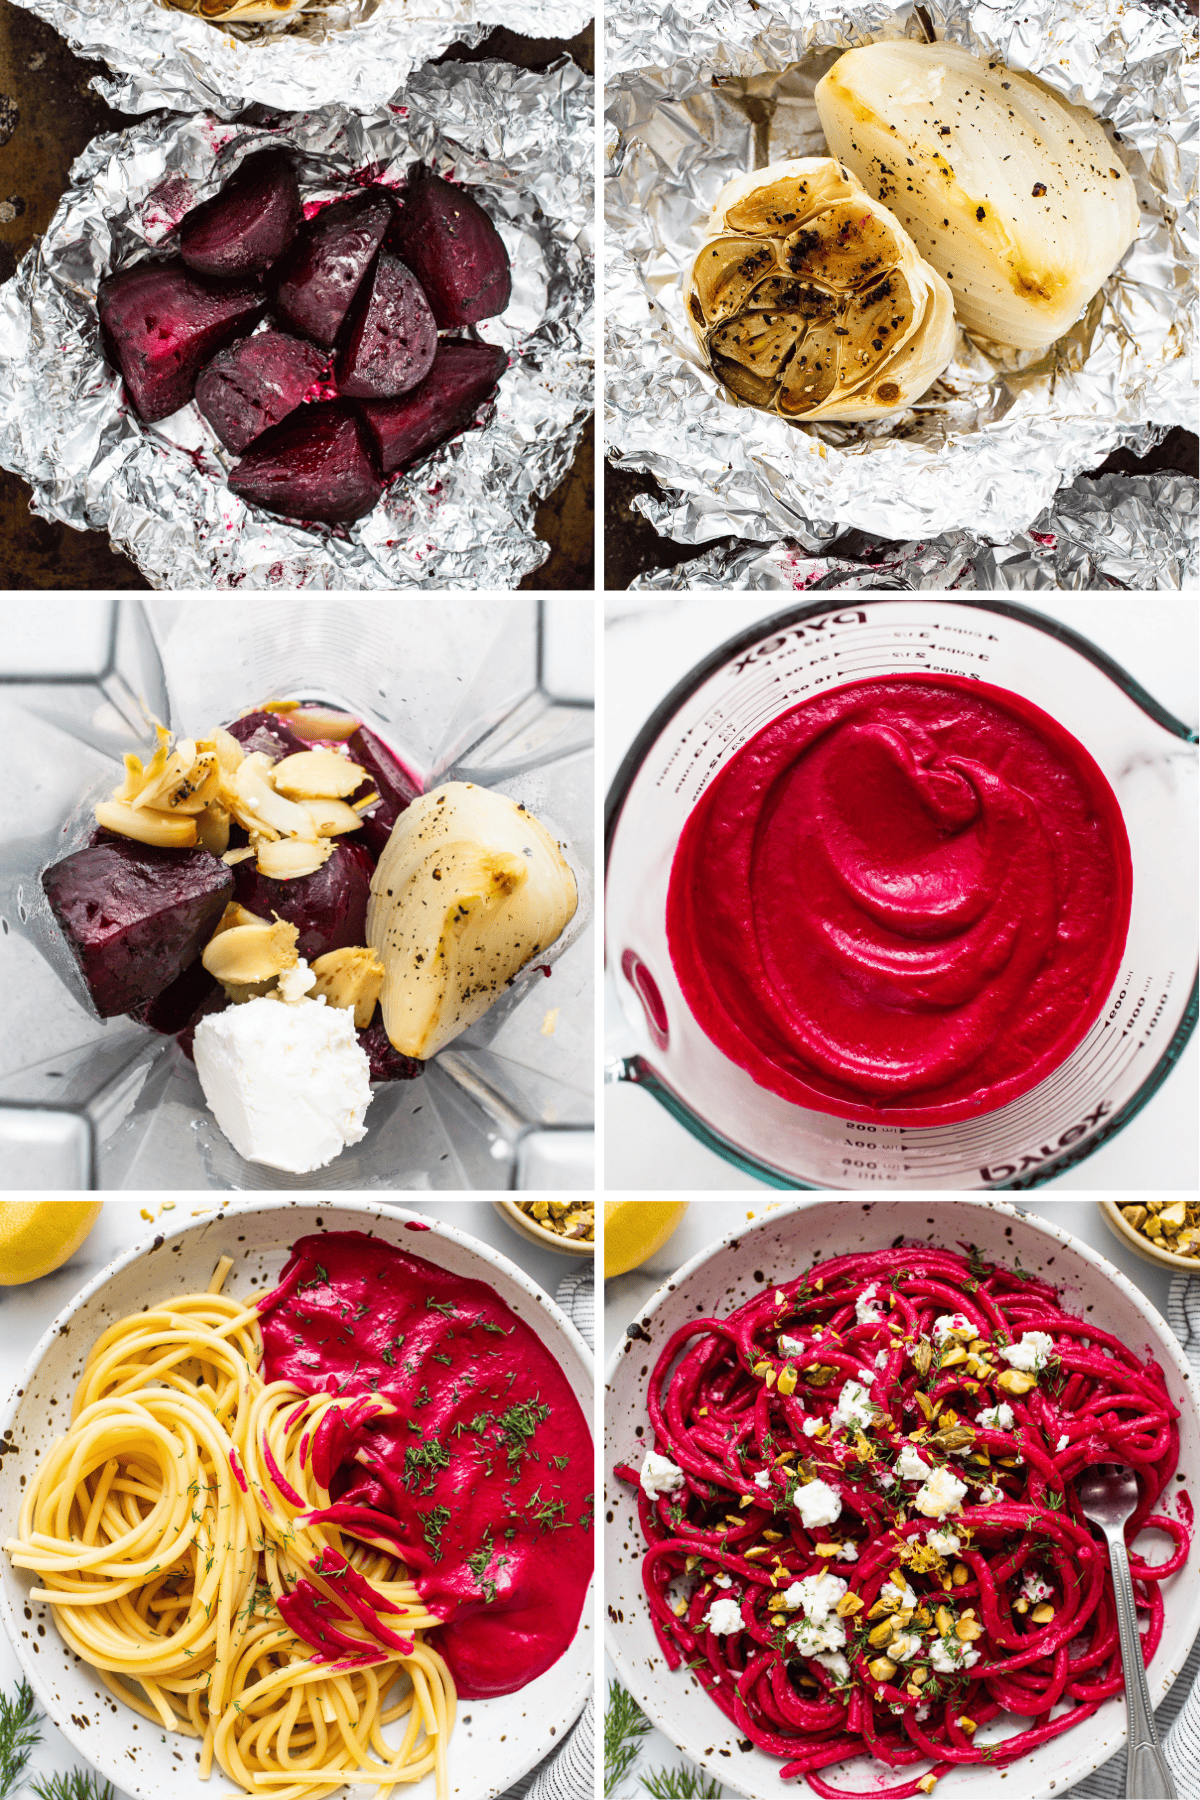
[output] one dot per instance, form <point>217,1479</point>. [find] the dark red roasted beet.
<point>390,338</point>
<point>387,1064</point>
<point>245,227</point>
<point>186,1039</point>
<point>314,284</point>
<point>462,376</point>
<point>161,323</point>
<point>454,251</point>
<point>267,732</point>
<point>316,465</point>
<point>328,908</point>
<point>134,916</point>
<point>395,786</point>
<point>255,383</point>
<point>181,1006</point>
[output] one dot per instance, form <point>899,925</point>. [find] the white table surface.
<point>652,641</point>
<point>25,1312</point>
<point>706,1221</point>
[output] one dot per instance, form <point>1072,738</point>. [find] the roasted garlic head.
<point>809,298</point>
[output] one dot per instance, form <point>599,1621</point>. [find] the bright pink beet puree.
<point>482,1478</point>
<point>903,900</point>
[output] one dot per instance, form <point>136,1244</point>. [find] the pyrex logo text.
<point>1006,1171</point>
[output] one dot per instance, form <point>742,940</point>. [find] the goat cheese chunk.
<point>724,1617</point>
<point>818,1504</point>
<point>997,1418</point>
<point>940,1494</point>
<point>1032,1353</point>
<point>660,1475</point>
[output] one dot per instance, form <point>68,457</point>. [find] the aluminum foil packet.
<point>352,53</point>
<point>463,518</point>
<point>696,95</point>
<point>1119,531</point>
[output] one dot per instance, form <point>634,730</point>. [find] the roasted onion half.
<point>1013,195</point>
<point>809,298</point>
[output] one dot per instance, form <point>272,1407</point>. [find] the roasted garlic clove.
<point>809,298</point>
<point>350,978</point>
<point>317,775</point>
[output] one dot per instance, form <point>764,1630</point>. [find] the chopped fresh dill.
<point>518,1425</point>
<point>428,1455</point>
<point>435,1522</point>
<point>318,1280</point>
<point>445,1307</point>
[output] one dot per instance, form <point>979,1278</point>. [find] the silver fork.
<point>1108,1494</point>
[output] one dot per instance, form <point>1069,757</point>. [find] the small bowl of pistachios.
<point>565,1225</point>
<point>1163,1231</point>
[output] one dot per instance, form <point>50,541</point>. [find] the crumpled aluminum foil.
<point>352,53</point>
<point>1120,531</point>
<point>699,93</point>
<point>464,517</point>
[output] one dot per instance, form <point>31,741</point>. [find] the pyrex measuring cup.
<point>1148,757</point>
<point>465,690</point>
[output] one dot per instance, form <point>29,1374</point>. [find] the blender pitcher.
<point>1148,758</point>
<point>465,689</point>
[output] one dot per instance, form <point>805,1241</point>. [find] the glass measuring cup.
<point>471,690</point>
<point>1147,756</point>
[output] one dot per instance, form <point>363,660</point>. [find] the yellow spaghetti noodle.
<point>167,1525</point>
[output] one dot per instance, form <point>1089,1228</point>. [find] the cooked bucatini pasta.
<point>173,1529</point>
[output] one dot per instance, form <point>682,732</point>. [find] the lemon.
<point>635,1229</point>
<point>37,1236</point>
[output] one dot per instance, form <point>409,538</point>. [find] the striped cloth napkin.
<point>568,1773</point>
<point>1179,1715</point>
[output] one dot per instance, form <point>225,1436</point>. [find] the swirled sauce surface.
<point>480,1479</point>
<point>904,899</point>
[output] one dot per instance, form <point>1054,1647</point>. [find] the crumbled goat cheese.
<point>866,1376</point>
<point>848,1552</point>
<point>904,1646</point>
<point>922,1714</point>
<point>940,1494</point>
<point>910,1466</point>
<point>988,1496</point>
<point>1032,1353</point>
<point>948,1655</point>
<point>763,1478</point>
<point>723,1617</point>
<point>997,1418</point>
<point>1062,1443</point>
<point>660,1475</point>
<point>1034,1587</point>
<point>835,1662</point>
<point>946,1543</point>
<point>950,1324</point>
<point>884,1479</point>
<point>865,1311</point>
<point>817,1595</point>
<point>818,1504</point>
<point>722,1581</point>
<point>810,1638</point>
<point>881,1357</point>
<point>853,1409</point>
<point>790,1346</point>
<point>811,1427</point>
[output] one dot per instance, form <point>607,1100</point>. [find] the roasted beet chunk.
<point>249,223</point>
<point>181,1006</point>
<point>462,376</point>
<point>454,251</point>
<point>161,323</point>
<point>387,1064</point>
<point>315,283</point>
<point>328,908</point>
<point>390,338</point>
<point>135,917</point>
<point>269,733</point>
<point>395,786</point>
<point>316,465</point>
<point>256,383</point>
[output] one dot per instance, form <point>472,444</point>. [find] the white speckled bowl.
<point>495,1741</point>
<point>777,1248</point>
